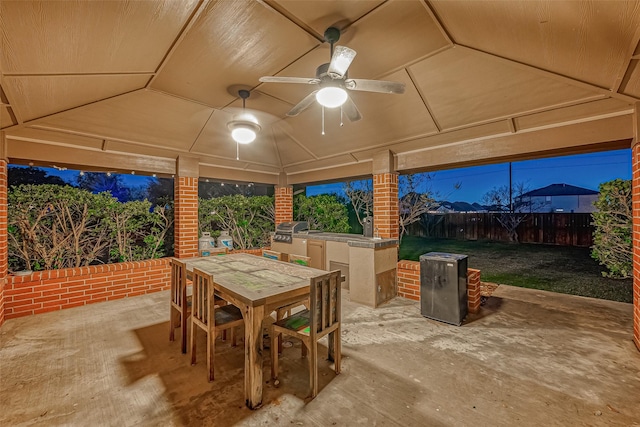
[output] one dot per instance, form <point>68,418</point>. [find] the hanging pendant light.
<point>244,130</point>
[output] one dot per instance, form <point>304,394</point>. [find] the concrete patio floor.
<point>529,358</point>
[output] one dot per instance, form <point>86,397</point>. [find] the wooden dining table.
<point>257,286</point>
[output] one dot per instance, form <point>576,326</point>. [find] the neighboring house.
<point>560,198</point>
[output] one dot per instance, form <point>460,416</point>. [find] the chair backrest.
<point>271,254</point>
<point>201,309</point>
<point>299,259</point>
<point>214,251</point>
<point>324,301</point>
<point>178,282</point>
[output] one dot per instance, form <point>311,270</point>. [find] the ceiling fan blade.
<point>351,111</point>
<point>303,105</point>
<point>340,61</point>
<point>381,86</point>
<point>275,79</point>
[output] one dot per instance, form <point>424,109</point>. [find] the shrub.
<point>613,243</point>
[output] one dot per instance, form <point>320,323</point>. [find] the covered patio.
<point>530,358</point>
<point>151,88</point>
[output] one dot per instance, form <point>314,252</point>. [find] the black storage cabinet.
<point>443,287</point>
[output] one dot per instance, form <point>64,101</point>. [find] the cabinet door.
<point>315,250</point>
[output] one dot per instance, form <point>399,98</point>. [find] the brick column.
<point>4,250</point>
<point>636,241</point>
<point>186,217</point>
<point>284,203</point>
<point>385,205</point>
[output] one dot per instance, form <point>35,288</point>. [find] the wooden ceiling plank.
<point>625,70</point>
<point>181,35</point>
<point>558,77</point>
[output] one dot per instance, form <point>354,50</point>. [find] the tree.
<point>413,204</point>
<point>360,194</point>
<point>97,182</point>
<point>613,221</point>
<point>249,220</point>
<point>511,207</point>
<point>52,226</point>
<point>322,212</point>
<point>32,175</point>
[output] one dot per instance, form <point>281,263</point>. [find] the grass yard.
<point>563,269</point>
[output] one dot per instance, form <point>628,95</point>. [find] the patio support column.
<point>635,188</point>
<point>283,201</point>
<point>4,249</point>
<point>186,208</point>
<point>385,196</point>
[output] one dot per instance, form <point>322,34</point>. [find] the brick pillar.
<point>186,217</point>
<point>473,290</point>
<point>284,204</point>
<point>4,250</point>
<point>385,205</point>
<point>636,242</point>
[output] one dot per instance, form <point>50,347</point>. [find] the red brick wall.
<point>284,204</point>
<point>53,290</point>
<point>409,284</point>
<point>4,251</point>
<point>385,205</point>
<point>186,217</point>
<point>636,242</point>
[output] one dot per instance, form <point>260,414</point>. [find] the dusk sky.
<point>584,170</point>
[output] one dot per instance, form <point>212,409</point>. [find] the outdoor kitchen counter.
<point>368,264</point>
<point>356,240</point>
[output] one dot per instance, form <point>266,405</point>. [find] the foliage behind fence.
<point>566,229</point>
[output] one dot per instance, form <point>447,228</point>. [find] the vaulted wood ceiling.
<point>135,84</point>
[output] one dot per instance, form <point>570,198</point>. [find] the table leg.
<point>253,356</point>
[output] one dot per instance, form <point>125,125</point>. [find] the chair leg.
<point>233,337</point>
<point>304,350</point>
<point>313,368</point>
<point>172,323</point>
<point>274,353</point>
<point>211,347</point>
<point>194,336</point>
<point>279,316</point>
<point>337,346</point>
<point>183,323</point>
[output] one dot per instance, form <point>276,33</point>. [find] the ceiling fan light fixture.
<point>244,132</point>
<point>331,96</point>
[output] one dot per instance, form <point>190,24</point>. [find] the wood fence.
<point>566,229</point>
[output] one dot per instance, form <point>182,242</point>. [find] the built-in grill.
<point>285,230</point>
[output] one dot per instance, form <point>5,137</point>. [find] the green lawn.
<point>564,269</point>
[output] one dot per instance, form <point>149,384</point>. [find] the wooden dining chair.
<point>299,259</point>
<point>322,318</point>
<point>180,308</point>
<point>209,317</point>
<point>272,254</point>
<point>285,311</point>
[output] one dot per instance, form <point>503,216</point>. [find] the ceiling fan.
<point>332,80</point>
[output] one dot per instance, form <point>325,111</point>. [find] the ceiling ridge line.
<point>423,97</point>
<point>282,11</point>
<point>550,74</point>
<point>301,145</point>
<point>624,72</point>
<point>415,61</point>
<point>275,147</point>
<point>204,125</point>
<point>198,10</point>
<point>436,18</point>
